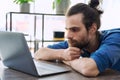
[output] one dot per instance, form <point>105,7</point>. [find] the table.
<point>9,74</point>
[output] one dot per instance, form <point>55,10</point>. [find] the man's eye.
<point>74,29</point>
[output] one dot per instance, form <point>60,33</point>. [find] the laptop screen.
<point>15,54</point>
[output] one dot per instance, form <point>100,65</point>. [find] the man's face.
<point>76,32</point>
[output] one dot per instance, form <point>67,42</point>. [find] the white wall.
<point>6,6</point>
<point>110,18</point>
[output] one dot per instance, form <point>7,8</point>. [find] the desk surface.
<point>9,74</point>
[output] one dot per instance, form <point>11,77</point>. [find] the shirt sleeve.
<point>60,45</point>
<point>108,54</point>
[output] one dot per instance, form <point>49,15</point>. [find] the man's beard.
<point>80,45</point>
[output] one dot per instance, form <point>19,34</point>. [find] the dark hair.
<point>90,12</point>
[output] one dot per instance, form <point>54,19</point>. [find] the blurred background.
<point>40,23</point>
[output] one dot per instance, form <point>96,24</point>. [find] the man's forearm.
<point>48,54</point>
<point>85,66</point>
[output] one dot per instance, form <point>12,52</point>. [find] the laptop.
<point>16,55</point>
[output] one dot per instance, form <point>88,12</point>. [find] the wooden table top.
<point>9,74</point>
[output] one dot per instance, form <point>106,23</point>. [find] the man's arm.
<point>61,54</point>
<point>48,54</point>
<point>85,66</point>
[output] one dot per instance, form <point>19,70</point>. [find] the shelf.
<point>37,26</point>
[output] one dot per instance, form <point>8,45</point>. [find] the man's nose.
<point>68,35</point>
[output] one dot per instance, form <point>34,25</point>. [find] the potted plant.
<point>24,5</point>
<point>61,6</point>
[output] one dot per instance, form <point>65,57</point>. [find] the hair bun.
<point>94,4</point>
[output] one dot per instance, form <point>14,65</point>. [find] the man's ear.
<point>93,28</point>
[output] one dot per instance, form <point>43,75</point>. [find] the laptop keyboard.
<point>47,68</point>
<point>44,65</point>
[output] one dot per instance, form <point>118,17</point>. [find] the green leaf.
<point>22,1</point>
<point>55,2</point>
<point>58,2</point>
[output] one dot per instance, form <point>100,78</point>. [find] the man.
<point>98,50</point>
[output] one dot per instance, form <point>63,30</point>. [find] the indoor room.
<point>79,37</point>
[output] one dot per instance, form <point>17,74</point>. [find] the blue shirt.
<point>108,53</point>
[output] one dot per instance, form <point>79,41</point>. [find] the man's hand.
<point>86,66</point>
<point>67,62</point>
<point>71,53</point>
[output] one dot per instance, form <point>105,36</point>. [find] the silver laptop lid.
<point>15,53</point>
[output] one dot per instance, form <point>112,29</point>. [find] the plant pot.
<point>25,7</point>
<point>62,7</point>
